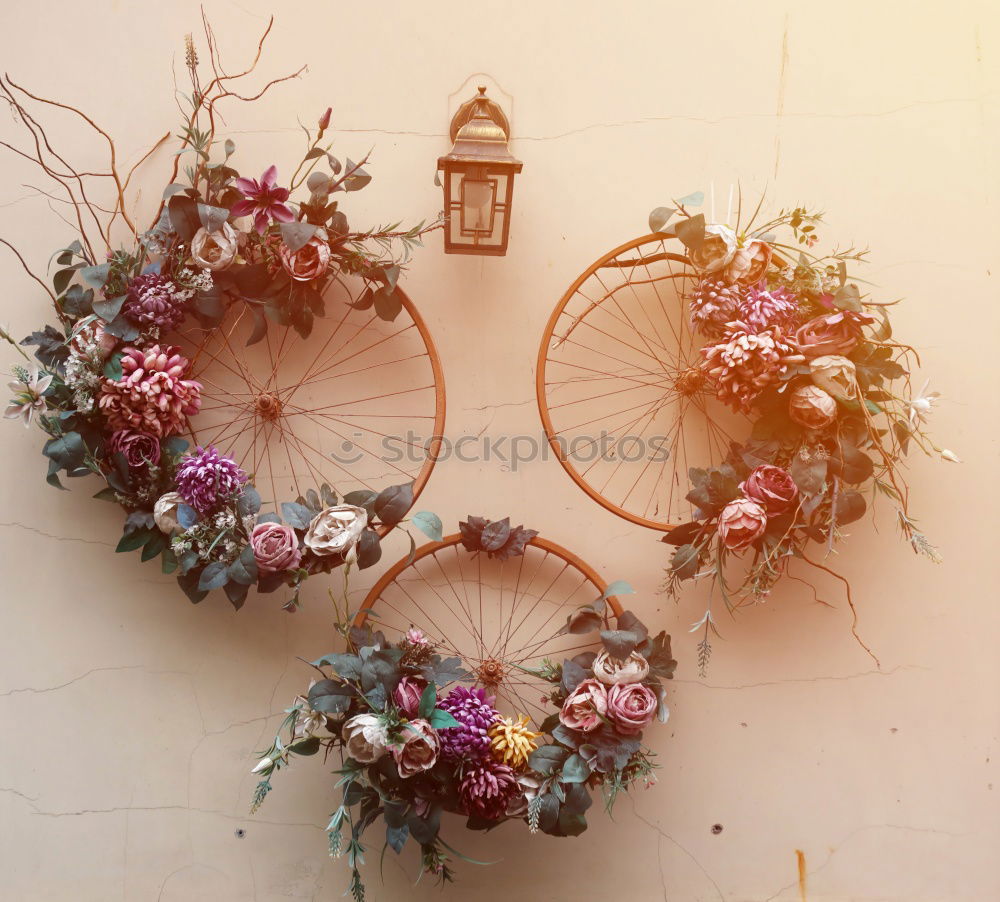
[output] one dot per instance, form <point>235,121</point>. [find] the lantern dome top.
<point>480,132</point>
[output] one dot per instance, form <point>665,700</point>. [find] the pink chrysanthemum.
<point>153,394</point>
<point>744,363</point>
<point>712,304</point>
<point>263,200</point>
<point>761,308</point>
<point>488,788</point>
<point>207,478</point>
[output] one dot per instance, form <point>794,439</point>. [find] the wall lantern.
<point>478,179</point>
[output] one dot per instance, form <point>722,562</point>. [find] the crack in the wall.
<point>49,535</point>
<point>796,680</point>
<point>77,679</point>
<point>664,835</point>
<point>645,120</point>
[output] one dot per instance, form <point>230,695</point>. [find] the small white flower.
<point>28,391</point>
<point>263,764</point>
<point>920,406</point>
<point>950,456</point>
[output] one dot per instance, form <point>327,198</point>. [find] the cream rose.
<point>165,513</point>
<point>335,530</point>
<point>612,671</point>
<point>365,738</point>
<point>214,250</point>
<point>834,374</point>
<point>716,250</point>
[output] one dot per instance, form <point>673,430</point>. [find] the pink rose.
<point>407,694</point>
<point>585,706</point>
<point>309,262</point>
<point>741,522</point>
<point>812,407</point>
<point>771,487</point>
<point>417,749</point>
<point>631,707</point>
<point>140,450</point>
<point>275,547</point>
<point>834,333</point>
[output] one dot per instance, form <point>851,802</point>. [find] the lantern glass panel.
<point>478,200</point>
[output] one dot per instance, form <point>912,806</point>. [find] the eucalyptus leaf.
<point>296,235</point>
<point>214,576</point>
<point>429,524</point>
<point>659,218</point>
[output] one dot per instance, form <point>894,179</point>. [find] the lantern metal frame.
<point>480,132</point>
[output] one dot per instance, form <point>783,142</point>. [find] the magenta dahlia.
<point>762,308</point>
<point>474,711</point>
<point>154,300</point>
<point>207,478</point>
<point>153,394</point>
<point>488,788</point>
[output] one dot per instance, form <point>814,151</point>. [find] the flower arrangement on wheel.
<point>116,392</point>
<point>792,343</point>
<point>418,735</point>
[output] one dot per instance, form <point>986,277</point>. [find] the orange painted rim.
<point>543,410</point>
<point>456,539</point>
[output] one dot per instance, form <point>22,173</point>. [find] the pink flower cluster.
<point>768,491</point>
<point>629,707</point>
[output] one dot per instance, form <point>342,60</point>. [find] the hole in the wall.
<point>716,829</point>
<point>240,833</point>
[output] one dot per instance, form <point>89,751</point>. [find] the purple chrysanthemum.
<point>474,711</point>
<point>762,308</point>
<point>488,788</point>
<point>154,300</point>
<point>206,478</point>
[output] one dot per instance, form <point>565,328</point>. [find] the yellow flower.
<point>511,741</point>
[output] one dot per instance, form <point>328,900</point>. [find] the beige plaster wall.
<point>131,718</point>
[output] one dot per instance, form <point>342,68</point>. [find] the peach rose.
<point>741,523</point>
<point>418,750</point>
<point>749,263</point>
<point>585,706</point>
<point>811,407</point>
<point>309,262</point>
<point>834,333</point>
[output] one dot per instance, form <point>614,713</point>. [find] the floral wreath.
<point>412,749</point>
<point>793,343</point>
<point>114,395</point>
